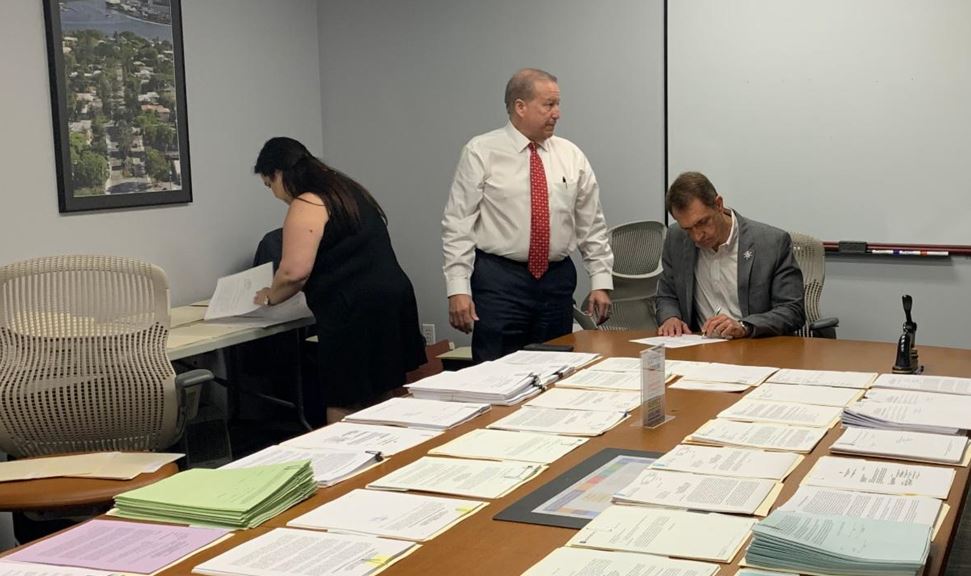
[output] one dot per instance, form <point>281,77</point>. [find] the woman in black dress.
<point>337,250</point>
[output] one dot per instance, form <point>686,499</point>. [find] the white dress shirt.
<point>489,207</point>
<point>716,279</point>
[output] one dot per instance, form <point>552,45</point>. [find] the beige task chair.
<point>82,358</point>
<point>637,250</point>
<point>811,257</point>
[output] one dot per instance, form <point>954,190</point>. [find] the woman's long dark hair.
<point>303,172</point>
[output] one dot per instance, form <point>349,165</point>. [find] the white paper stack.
<point>491,382</point>
<point>617,364</point>
<point>934,419</point>
<point>459,477</point>
<point>734,462</point>
<point>584,562</point>
<point>505,445</point>
<point>386,440</point>
<point>830,501</point>
<point>788,413</point>
<point>546,364</point>
<point>555,421</point>
<point>729,373</point>
<point>834,378</point>
<point>810,543</point>
<point>416,413</point>
<point>880,477</point>
<point>903,445</point>
<point>603,380</point>
<point>805,394</point>
<point>596,400</point>
<point>942,384</point>
<point>329,466</point>
<point>764,436</point>
<point>700,492</point>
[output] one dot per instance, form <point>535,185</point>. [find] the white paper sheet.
<point>734,462</point>
<point>746,410</point>
<point>880,477</point>
<point>290,552</point>
<point>697,492</point>
<point>416,413</point>
<point>688,384</point>
<point>678,341</point>
<point>944,384</point>
<point>803,394</point>
<point>817,500</point>
<point>732,373</point>
<point>505,445</point>
<point>933,418</point>
<point>388,514</point>
<point>584,562</point>
<point>234,293</point>
<point>596,400</point>
<point>554,421</point>
<point>665,532</point>
<point>472,478</point>
<point>758,435</point>
<point>593,380</point>
<point>388,440</point>
<point>833,378</point>
<point>330,465</point>
<point>617,364</point>
<point>902,445</point>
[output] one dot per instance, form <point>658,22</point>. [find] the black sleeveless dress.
<point>366,313</point>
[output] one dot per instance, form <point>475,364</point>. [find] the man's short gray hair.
<point>520,86</point>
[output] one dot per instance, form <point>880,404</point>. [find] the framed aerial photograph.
<point>118,101</point>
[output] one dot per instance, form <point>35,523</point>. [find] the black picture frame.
<point>117,79</point>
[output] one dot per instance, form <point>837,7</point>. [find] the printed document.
<point>595,380</point>
<point>330,466</point>
<point>732,373</point>
<point>880,477</point>
<point>486,444</point>
<point>553,421</point>
<point>734,462</point>
<point>678,341</point>
<point>415,413</point>
<point>746,410</point>
<point>108,465</point>
<point>803,394</point>
<point>903,445</point>
<point>386,440</point>
<point>234,297</point>
<point>472,478</point>
<point>698,492</point>
<point>688,384</point>
<point>756,435</point>
<point>834,378</point>
<point>584,562</point>
<point>389,514</point>
<point>597,400</point>
<point>617,364</point>
<point>290,552</point>
<point>913,509</point>
<point>665,532</point>
<point>932,418</point>
<point>28,569</point>
<point>943,384</point>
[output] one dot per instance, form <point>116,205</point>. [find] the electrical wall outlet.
<point>428,331</point>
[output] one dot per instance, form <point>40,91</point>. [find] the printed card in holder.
<point>653,407</point>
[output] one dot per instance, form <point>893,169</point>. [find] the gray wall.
<point>405,84</point>
<point>252,71</point>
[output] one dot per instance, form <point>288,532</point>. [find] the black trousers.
<point>515,309</point>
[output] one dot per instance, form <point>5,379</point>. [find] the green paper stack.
<point>231,498</point>
<point>839,545</point>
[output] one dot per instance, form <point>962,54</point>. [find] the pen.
<point>564,179</point>
<point>894,252</point>
<point>718,310</point>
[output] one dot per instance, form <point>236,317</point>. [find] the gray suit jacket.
<point>770,290</point>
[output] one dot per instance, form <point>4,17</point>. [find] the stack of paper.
<point>617,364</point>
<point>682,341</point>
<point>492,382</point>
<point>473,478</point>
<point>385,440</point>
<point>805,394</point>
<point>700,492</point>
<point>289,552</point>
<point>583,562</point>
<point>597,400</point>
<point>735,462</point>
<point>665,533</point>
<point>504,445</point>
<point>811,543</point>
<point>603,380</point>
<point>746,410</point>
<point>233,297</point>
<point>555,421</point>
<point>392,515</point>
<point>235,498</point>
<point>836,379</point>
<point>828,501</point>
<point>108,465</point>
<point>415,413</point>
<point>880,477</point>
<point>903,445</point>
<point>558,364</point>
<point>329,466</point>
<point>720,432</point>
<point>728,373</point>
<point>931,418</point>
<point>943,384</point>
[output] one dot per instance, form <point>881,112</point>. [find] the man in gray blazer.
<point>724,275</point>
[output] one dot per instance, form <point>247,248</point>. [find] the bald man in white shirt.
<point>521,202</point>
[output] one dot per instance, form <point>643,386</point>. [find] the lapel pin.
<point>747,255</point>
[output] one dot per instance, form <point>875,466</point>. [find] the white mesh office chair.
<point>82,358</point>
<point>811,257</point>
<point>637,250</point>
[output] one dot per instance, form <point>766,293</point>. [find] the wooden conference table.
<point>481,545</point>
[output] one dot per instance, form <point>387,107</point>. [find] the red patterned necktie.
<point>539,220</point>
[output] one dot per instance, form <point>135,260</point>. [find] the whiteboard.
<point>845,120</point>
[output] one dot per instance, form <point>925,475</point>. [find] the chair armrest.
<point>188,386</point>
<point>824,323</point>
<point>583,320</point>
